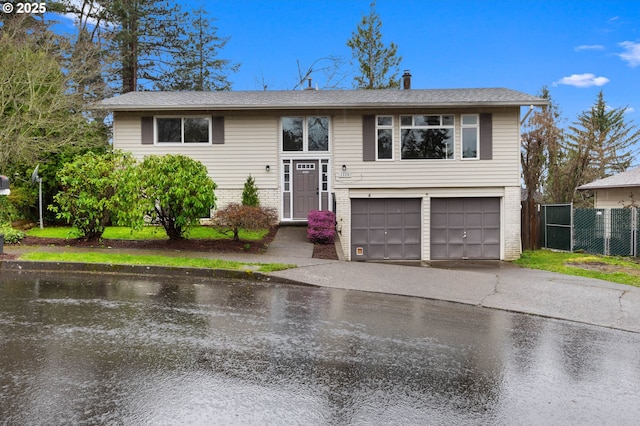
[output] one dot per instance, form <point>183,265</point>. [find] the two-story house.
<point>410,174</point>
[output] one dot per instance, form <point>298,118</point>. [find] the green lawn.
<point>154,260</point>
<point>615,269</point>
<point>146,233</point>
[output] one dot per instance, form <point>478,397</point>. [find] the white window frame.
<point>386,127</point>
<point>305,136</point>
<point>182,118</point>
<point>452,127</point>
<point>475,126</point>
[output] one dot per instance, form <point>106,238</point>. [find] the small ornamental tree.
<point>89,184</point>
<point>235,216</point>
<point>250,193</point>
<point>174,191</point>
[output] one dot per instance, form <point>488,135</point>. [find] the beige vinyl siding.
<point>502,170</point>
<point>616,198</point>
<point>251,143</point>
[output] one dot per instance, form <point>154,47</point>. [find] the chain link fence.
<point>613,232</point>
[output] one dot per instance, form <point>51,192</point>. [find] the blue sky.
<point>576,48</point>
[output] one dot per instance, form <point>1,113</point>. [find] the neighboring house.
<point>613,192</point>
<point>410,174</point>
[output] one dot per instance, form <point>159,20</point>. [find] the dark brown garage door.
<point>385,229</point>
<point>465,228</point>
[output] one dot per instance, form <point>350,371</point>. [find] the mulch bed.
<point>320,251</point>
<point>325,251</point>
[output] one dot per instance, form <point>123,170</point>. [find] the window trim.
<point>385,127</point>
<point>470,126</point>
<point>182,118</point>
<point>305,135</point>
<point>451,127</point>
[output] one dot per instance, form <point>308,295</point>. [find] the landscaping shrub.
<point>171,190</point>
<point>321,226</point>
<point>8,212</point>
<point>89,183</point>
<point>11,236</point>
<point>250,193</point>
<point>235,216</point>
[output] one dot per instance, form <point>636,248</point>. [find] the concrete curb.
<point>112,268</point>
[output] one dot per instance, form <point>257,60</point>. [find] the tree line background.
<point>556,160</point>
<point>49,83</point>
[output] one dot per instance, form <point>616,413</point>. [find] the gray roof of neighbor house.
<point>318,99</point>
<point>621,180</point>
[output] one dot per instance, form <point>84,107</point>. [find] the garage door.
<point>465,228</point>
<point>385,229</point>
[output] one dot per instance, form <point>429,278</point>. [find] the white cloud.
<point>86,8</point>
<point>631,54</point>
<point>583,80</point>
<point>629,110</point>
<point>589,47</point>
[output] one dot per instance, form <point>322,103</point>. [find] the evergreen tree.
<point>146,35</point>
<point>196,65</point>
<point>378,64</point>
<point>153,44</point>
<point>250,193</point>
<point>600,143</point>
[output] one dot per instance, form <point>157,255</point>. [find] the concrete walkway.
<point>499,285</point>
<point>291,242</point>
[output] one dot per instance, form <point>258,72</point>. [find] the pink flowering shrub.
<point>321,226</point>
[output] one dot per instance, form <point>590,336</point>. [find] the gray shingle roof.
<point>621,180</point>
<point>326,99</point>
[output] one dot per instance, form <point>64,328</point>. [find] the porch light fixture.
<point>268,168</point>
<point>344,167</point>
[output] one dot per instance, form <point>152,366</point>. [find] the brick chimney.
<point>406,80</point>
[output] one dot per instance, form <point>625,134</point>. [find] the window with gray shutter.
<point>146,130</point>
<point>218,130</point>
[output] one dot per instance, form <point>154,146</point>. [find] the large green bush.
<point>174,191</point>
<point>89,184</point>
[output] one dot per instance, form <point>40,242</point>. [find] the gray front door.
<point>385,228</point>
<point>465,228</point>
<point>305,188</point>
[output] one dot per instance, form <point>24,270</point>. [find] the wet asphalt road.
<point>112,350</point>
